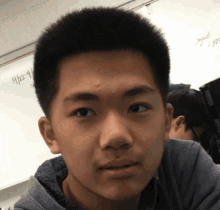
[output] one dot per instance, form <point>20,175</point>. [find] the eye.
<point>139,107</point>
<point>82,111</point>
<point>135,108</point>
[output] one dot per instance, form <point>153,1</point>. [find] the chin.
<point>122,193</point>
<point>122,197</point>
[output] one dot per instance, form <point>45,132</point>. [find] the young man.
<point>101,77</point>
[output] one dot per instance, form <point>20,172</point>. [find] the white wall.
<point>195,57</point>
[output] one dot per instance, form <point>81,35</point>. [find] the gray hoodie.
<point>187,179</point>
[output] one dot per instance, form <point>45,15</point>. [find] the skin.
<point>178,129</point>
<point>109,130</point>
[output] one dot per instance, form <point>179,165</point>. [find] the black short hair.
<point>97,29</point>
<point>191,105</point>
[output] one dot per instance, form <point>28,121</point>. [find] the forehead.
<point>108,62</point>
<point>115,69</point>
<point>111,55</point>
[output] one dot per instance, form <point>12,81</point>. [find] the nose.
<point>114,134</point>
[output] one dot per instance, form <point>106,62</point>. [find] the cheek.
<point>151,140</point>
<point>76,147</point>
<point>152,156</point>
<point>154,131</point>
<point>78,158</point>
<point>79,150</point>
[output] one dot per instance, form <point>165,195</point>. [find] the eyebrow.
<point>88,96</point>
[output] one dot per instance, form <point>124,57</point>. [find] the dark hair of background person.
<point>191,105</point>
<point>96,29</point>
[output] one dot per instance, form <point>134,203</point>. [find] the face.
<point>94,130</point>
<point>178,130</point>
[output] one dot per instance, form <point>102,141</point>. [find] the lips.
<point>126,166</point>
<point>124,172</point>
<point>118,164</point>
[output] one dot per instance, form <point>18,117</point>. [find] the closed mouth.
<point>126,166</point>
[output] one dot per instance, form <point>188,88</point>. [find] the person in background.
<point>191,120</point>
<point>101,76</point>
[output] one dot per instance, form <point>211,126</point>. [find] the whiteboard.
<point>191,29</point>
<point>20,137</point>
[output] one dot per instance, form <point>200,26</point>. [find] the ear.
<point>168,119</point>
<point>179,121</point>
<point>47,133</point>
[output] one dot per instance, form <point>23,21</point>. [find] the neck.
<point>94,202</point>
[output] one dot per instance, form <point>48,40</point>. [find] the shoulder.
<point>181,155</point>
<point>187,155</point>
<point>182,149</point>
<point>196,175</point>
<point>180,144</point>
